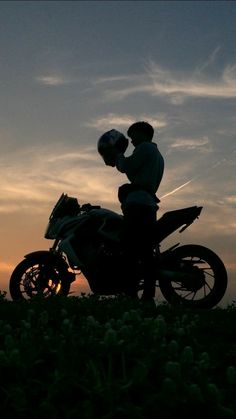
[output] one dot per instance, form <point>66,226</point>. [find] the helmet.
<point>112,139</point>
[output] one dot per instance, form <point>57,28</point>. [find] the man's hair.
<point>143,128</point>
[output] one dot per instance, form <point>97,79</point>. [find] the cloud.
<point>112,79</point>
<point>184,86</point>
<point>53,80</point>
<point>156,80</point>
<point>112,120</point>
<point>121,93</point>
<point>87,154</point>
<point>6,267</point>
<point>173,85</point>
<point>40,175</point>
<point>200,144</point>
<point>231,200</point>
<point>229,75</point>
<point>192,85</point>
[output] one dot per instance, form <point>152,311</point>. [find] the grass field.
<point>89,357</point>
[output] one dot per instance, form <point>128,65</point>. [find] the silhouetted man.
<point>144,169</point>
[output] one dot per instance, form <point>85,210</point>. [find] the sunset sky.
<point>71,70</point>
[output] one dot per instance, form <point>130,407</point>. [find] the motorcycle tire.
<point>33,277</point>
<point>201,263</point>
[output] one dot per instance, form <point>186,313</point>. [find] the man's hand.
<point>110,157</point>
<point>122,144</point>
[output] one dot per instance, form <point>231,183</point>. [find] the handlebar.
<point>89,207</point>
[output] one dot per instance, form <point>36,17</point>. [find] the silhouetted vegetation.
<point>88,357</point>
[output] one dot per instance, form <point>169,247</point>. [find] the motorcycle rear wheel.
<point>33,277</point>
<point>204,282</point>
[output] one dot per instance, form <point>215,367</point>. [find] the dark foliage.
<point>89,357</point>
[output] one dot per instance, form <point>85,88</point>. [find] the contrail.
<point>177,189</point>
<point>203,173</point>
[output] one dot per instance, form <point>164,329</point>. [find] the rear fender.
<point>173,220</point>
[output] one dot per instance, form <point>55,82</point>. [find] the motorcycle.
<point>87,240</point>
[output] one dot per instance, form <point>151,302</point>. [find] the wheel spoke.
<point>39,279</point>
<point>205,278</point>
<point>184,292</point>
<point>209,274</point>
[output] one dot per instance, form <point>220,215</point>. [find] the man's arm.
<point>132,163</point>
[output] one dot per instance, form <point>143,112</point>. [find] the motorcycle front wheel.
<point>197,278</point>
<point>33,277</point>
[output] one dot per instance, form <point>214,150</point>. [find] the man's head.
<point>140,132</point>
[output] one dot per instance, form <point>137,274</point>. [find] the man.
<point>144,169</point>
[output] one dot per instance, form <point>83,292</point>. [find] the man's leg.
<point>130,243</point>
<point>147,227</point>
<point>139,224</point>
